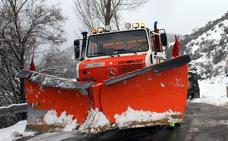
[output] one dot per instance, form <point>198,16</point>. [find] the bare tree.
<point>58,63</point>
<point>93,13</point>
<point>25,24</point>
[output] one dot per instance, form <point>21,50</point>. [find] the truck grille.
<point>129,66</point>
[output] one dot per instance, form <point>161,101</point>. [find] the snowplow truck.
<point>123,81</point>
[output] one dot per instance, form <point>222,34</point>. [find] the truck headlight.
<point>100,29</point>
<point>135,25</point>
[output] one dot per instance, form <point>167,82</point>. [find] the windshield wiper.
<point>120,50</point>
<point>113,53</point>
<point>126,51</point>
<point>102,53</point>
<point>133,51</point>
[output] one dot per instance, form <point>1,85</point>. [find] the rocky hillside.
<point>208,47</point>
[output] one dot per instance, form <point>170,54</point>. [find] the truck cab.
<point>118,52</point>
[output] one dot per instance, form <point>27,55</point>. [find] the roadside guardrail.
<point>13,109</point>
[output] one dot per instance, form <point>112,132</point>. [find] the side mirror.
<point>164,39</point>
<point>77,49</point>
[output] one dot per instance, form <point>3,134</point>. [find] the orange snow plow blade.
<point>45,93</point>
<point>159,88</point>
<point>157,92</point>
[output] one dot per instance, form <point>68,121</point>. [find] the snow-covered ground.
<point>14,132</point>
<point>211,93</point>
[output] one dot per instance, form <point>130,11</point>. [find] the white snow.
<point>50,117</point>
<point>218,80</point>
<point>210,51</point>
<point>214,34</point>
<point>14,132</point>
<point>212,93</point>
<point>54,81</point>
<point>132,115</point>
<point>67,121</point>
<point>94,121</point>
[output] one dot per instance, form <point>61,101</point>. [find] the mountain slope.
<point>208,48</point>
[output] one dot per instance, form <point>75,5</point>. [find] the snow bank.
<point>132,115</point>
<point>212,94</point>
<point>95,122</point>
<point>14,132</point>
<point>51,118</point>
<point>221,79</point>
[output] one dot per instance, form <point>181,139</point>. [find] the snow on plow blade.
<point>46,92</point>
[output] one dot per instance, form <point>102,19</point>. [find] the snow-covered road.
<point>14,132</point>
<point>215,94</point>
<point>203,122</point>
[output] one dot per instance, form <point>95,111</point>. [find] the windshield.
<point>117,43</point>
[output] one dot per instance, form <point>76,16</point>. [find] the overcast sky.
<point>176,16</point>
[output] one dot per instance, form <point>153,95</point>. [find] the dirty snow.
<point>94,121</point>
<point>132,115</point>
<point>212,93</point>
<point>51,118</point>
<point>14,132</point>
